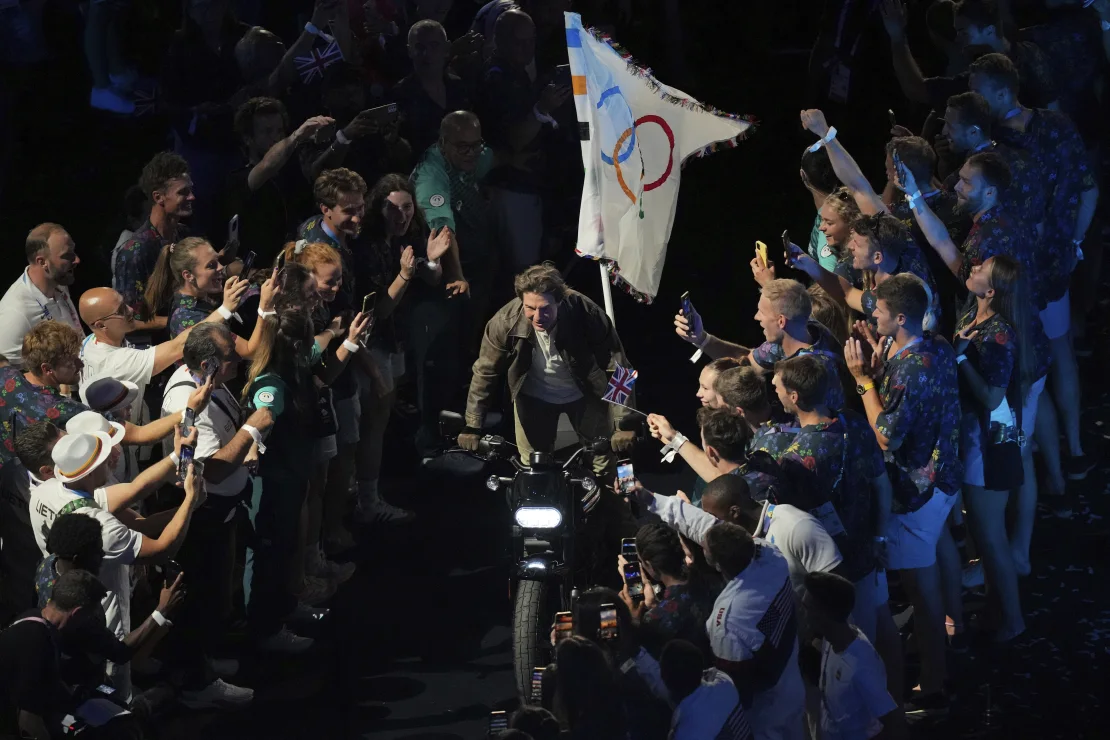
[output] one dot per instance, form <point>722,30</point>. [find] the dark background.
<point>418,647</point>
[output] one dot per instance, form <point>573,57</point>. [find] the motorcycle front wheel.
<point>532,621</point>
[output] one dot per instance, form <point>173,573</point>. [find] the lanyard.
<point>981,147</point>
<point>1012,112</point>
<point>890,341</point>
<point>845,9</point>
<point>64,300</point>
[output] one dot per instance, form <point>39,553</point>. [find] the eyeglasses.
<point>469,147</point>
<point>123,312</point>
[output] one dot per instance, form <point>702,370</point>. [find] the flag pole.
<point>607,292</point>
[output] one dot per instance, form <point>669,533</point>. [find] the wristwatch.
<point>862,389</point>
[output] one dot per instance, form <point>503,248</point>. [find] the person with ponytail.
<point>282,378</point>
<point>997,370</point>
<point>189,279</point>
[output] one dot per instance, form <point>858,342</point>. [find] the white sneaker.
<point>105,98</point>
<point>378,511</point>
<point>285,641</point>
<point>223,667</point>
<point>217,694</point>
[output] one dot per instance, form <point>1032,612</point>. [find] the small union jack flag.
<point>312,66</point>
<point>620,386</point>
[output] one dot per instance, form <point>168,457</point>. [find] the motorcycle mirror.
<point>451,423</point>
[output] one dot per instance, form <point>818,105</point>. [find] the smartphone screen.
<point>186,458</point>
<point>368,301</point>
<point>628,549</point>
<point>609,629</point>
<point>498,721</point>
<point>248,263</point>
<point>383,113</point>
<point>626,477</point>
<point>634,582</point>
<point>105,689</point>
<point>564,625</point>
<point>537,685</point>
<point>190,419</point>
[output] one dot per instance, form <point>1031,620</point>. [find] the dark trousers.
<point>435,338</point>
<point>207,558</point>
<point>276,515</point>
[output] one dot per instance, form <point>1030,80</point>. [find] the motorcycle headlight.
<point>538,517</point>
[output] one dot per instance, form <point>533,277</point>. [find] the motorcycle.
<point>550,502</point>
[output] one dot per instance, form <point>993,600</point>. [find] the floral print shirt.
<point>823,345</point>
<point>679,614</point>
<point>133,264</point>
<point>187,311</point>
<point>921,415</point>
<point>30,403</point>
<point>999,232</point>
<point>837,462</point>
<point>1054,144</point>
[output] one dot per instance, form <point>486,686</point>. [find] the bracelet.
<point>350,346</point>
<point>160,619</point>
<point>175,459</point>
<point>264,314</point>
<point>914,200</point>
<point>825,141</point>
<point>704,341</point>
<point>960,359</point>
<point>224,312</point>
<point>402,276</point>
<point>678,440</point>
<point>342,137</point>
<point>433,264</point>
<point>256,436</point>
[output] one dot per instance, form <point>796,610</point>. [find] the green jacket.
<point>583,334</point>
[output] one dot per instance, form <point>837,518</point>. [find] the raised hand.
<point>439,241</point>
<point>894,19</point>
<point>813,120</point>
<point>408,263</point>
<point>234,290</point>
<point>763,274</point>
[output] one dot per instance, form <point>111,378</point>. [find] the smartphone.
<point>210,367</point>
<point>634,582</point>
<point>899,168</point>
<point>609,628</point>
<point>628,550</point>
<point>190,420</point>
<point>562,75</point>
<point>688,311</point>
<point>170,570</point>
<point>248,263</point>
<point>183,465</point>
<point>761,251</point>
<point>498,721</point>
<point>537,686</point>
<point>382,114</point>
<point>626,477</point>
<point>789,250</point>
<point>893,120</point>
<point>368,301</point>
<point>280,260</point>
<point>233,229</point>
<point>564,625</point>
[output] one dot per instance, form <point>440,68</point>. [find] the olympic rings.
<point>617,160</point>
<point>631,132</point>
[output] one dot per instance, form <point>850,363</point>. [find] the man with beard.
<point>41,293</point>
<point>168,186</point>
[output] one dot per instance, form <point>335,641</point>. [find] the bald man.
<point>108,354</point>
<point>41,293</point>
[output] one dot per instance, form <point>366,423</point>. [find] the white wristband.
<point>224,312</point>
<point>341,137</point>
<point>823,142</point>
<point>160,619</point>
<point>543,117</point>
<point>256,436</point>
<point>704,340</point>
<point>350,346</point>
<point>432,264</point>
<point>175,459</point>
<point>915,200</point>
<point>264,314</point>
<point>960,359</point>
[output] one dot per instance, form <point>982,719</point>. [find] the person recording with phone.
<point>228,449</point>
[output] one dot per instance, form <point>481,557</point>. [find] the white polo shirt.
<point>122,363</point>
<point>23,307</point>
<point>853,691</point>
<point>121,545</point>
<point>216,425</point>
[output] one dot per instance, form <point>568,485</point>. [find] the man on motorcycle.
<point>557,348</point>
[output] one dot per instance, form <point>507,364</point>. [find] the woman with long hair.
<point>386,269</point>
<point>282,378</point>
<point>587,701</point>
<point>189,279</point>
<point>997,366</point>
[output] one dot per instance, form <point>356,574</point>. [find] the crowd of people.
<point>221,408</point>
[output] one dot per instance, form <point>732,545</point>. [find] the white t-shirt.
<point>753,619</point>
<point>802,540</point>
<point>215,427</point>
<point>549,379</point>
<point>853,691</point>
<point>23,307</point>
<point>121,545</point>
<point>122,363</point>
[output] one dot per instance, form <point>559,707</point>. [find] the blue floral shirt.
<point>998,232</point>
<point>823,345</point>
<point>837,462</point>
<point>679,614</point>
<point>187,311</point>
<point>133,264</point>
<point>921,416</point>
<point>1055,145</point>
<point>30,403</point>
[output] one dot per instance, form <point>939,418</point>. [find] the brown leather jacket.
<point>583,334</point>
